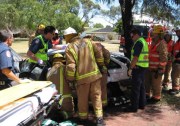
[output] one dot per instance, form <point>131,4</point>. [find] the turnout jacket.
<point>158,55</point>
<point>82,60</point>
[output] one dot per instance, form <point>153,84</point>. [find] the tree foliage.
<point>160,9</point>
<point>167,10</point>
<point>98,25</point>
<point>89,10</point>
<point>27,14</point>
<point>112,15</point>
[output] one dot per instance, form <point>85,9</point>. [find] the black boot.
<point>100,122</point>
<point>173,92</point>
<point>152,100</point>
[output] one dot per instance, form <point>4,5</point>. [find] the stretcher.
<point>29,110</point>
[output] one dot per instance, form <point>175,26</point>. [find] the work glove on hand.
<point>22,81</point>
<point>40,62</point>
<point>71,84</point>
<point>129,72</point>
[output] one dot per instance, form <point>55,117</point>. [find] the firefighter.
<point>157,63</point>
<point>56,75</point>
<point>175,76</point>
<point>138,66</point>
<point>104,72</point>
<point>40,29</point>
<point>169,42</point>
<point>82,61</point>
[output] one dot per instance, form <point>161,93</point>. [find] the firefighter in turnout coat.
<point>104,71</point>
<point>56,75</point>
<point>157,63</point>
<point>82,60</point>
<point>176,66</point>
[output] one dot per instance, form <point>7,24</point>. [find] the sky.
<point>99,18</point>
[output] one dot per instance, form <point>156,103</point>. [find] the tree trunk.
<point>126,10</point>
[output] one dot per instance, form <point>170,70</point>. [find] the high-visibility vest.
<point>42,53</point>
<point>143,60</point>
<point>154,60</point>
<point>176,49</point>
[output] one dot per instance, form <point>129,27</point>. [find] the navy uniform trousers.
<point>138,93</point>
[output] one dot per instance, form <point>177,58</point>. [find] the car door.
<point>117,70</point>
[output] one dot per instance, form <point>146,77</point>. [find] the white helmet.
<point>69,31</point>
<point>56,31</point>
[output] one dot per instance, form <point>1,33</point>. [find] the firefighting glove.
<point>103,70</point>
<point>160,71</point>
<point>129,72</point>
<point>72,84</point>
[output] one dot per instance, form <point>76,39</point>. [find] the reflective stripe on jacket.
<point>155,56</point>
<point>41,54</point>
<point>143,60</point>
<point>81,64</point>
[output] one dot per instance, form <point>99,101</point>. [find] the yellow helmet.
<point>158,29</point>
<point>41,27</point>
<point>57,55</point>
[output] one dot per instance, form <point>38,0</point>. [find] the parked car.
<point>97,38</point>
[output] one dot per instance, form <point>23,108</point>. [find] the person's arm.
<point>33,49</point>
<point>32,56</point>
<point>98,54</point>
<point>106,55</point>
<point>70,63</point>
<point>10,75</point>
<point>163,52</point>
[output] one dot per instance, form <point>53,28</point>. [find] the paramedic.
<point>7,74</point>
<point>176,66</point>
<point>56,75</point>
<point>138,66</point>
<point>157,63</point>
<point>37,52</point>
<point>82,57</point>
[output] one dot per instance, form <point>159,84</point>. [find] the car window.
<point>113,65</point>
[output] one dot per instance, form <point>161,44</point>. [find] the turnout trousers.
<point>104,89</point>
<point>175,75</point>
<point>153,83</point>
<point>167,73</point>
<point>92,91</point>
